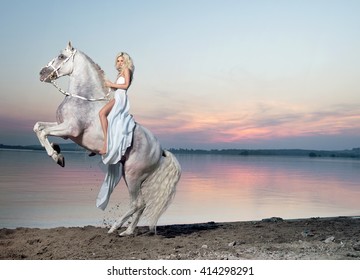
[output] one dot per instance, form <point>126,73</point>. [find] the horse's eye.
<point>61,56</point>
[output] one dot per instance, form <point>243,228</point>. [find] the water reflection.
<point>223,188</point>
<point>36,192</point>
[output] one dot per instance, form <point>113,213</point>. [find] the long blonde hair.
<point>128,64</point>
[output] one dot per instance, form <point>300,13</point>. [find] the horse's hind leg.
<point>124,218</point>
<point>140,205</point>
<point>137,207</point>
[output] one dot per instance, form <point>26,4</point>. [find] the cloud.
<point>261,122</point>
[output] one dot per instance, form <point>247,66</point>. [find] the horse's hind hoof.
<point>126,233</point>
<point>111,231</point>
<point>61,160</point>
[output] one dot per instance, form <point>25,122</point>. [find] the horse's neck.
<point>85,79</point>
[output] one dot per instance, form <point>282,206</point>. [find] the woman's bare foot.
<point>102,151</point>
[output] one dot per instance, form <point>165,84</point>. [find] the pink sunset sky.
<point>209,74</point>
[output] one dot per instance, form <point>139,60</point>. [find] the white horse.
<point>150,173</point>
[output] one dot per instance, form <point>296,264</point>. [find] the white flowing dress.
<point>120,134</point>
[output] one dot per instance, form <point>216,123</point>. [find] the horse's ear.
<point>69,46</point>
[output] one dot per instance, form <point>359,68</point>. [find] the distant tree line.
<point>353,153</point>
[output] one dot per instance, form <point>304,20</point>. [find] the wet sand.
<point>316,238</point>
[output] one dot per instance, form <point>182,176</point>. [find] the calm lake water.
<point>35,192</point>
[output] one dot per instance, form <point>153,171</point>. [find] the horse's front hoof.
<point>61,160</point>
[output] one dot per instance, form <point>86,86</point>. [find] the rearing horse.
<point>150,173</point>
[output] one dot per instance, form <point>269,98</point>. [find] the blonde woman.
<point>116,122</point>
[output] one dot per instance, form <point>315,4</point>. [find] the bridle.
<point>56,69</point>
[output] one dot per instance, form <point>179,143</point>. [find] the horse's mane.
<point>98,69</point>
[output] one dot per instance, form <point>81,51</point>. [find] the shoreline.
<point>327,238</point>
<point>353,153</point>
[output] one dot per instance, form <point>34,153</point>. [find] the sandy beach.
<point>274,238</point>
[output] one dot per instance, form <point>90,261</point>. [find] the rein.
<point>106,97</point>
<point>55,70</point>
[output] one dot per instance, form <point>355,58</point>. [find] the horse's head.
<point>61,65</point>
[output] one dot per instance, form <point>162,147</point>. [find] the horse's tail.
<point>159,188</point>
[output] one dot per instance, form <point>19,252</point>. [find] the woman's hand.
<point>108,83</point>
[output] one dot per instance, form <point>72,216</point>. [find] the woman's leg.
<point>104,112</point>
